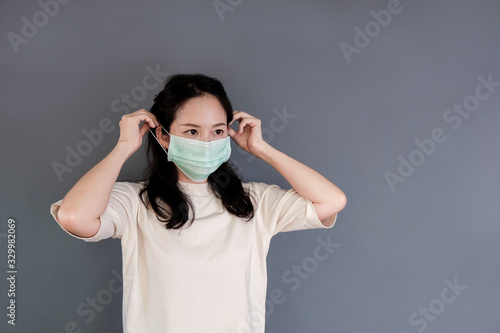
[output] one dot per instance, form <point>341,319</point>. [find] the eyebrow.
<point>197,126</point>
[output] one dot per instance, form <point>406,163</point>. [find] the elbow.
<point>77,224</point>
<point>343,201</point>
<point>340,202</point>
<point>67,219</point>
<point>330,208</point>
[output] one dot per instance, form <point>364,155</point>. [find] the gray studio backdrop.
<point>396,102</point>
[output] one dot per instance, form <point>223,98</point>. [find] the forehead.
<point>204,109</point>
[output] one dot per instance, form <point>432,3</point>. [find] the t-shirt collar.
<point>195,190</point>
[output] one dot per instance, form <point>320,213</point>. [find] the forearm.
<point>88,198</point>
<point>327,198</point>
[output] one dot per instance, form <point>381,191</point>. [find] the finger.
<point>147,118</point>
<point>152,119</point>
<point>144,115</point>
<point>246,122</point>
<point>144,128</point>
<point>231,132</point>
<point>242,114</point>
<point>241,119</point>
<point>233,120</point>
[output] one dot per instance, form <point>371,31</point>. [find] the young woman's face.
<point>201,118</point>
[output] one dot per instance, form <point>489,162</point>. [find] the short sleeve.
<point>285,210</point>
<point>122,207</point>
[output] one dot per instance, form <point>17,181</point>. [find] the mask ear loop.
<point>162,148</point>
<point>157,138</point>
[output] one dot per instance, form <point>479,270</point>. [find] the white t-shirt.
<point>211,275</point>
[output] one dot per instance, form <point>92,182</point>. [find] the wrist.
<point>266,152</point>
<point>124,149</point>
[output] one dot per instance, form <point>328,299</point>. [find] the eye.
<point>191,131</point>
<point>219,131</point>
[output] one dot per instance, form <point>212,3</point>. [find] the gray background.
<point>353,122</point>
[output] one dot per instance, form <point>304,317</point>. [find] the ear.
<point>163,138</point>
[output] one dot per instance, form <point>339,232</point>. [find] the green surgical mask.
<point>197,159</point>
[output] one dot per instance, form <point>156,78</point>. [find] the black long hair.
<point>168,201</point>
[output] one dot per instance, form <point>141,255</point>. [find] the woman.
<point>194,237</point>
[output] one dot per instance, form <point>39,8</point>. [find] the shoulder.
<point>135,186</point>
<point>128,188</point>
<point>258,186</point>
<point>260,189</point>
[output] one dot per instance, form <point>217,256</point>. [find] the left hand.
<point>249,134</point>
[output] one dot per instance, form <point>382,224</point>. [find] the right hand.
<point>130,132</point>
